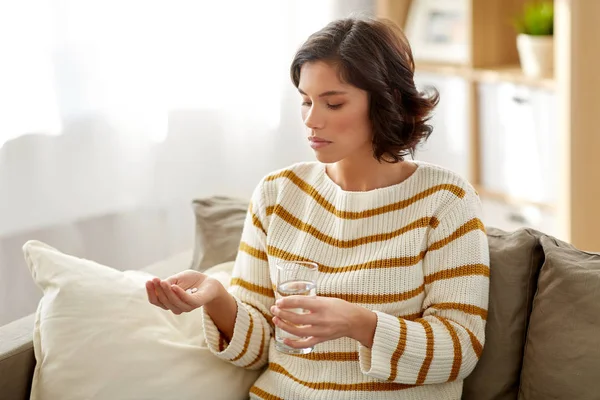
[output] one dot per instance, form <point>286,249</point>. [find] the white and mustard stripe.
<point>415,253</point>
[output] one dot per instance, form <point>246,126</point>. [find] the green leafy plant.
<point>536,19</point>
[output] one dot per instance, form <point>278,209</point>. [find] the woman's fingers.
<point>169,297</point>
<point>162,297</point>
<point>188,297</point>
<point>171,293</point>
<point>294,318</point>
<point>172,280</point>
<point>308,332</point>
<point>185,279</point>
<point>310,303</point>
<point>302,331</point>
<point>302,343</point>
<point>174,300</point>
<point>152,298</point>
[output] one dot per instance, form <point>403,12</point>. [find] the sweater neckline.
<point>329,183</point>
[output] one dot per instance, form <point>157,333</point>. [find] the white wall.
<point>102,190</point>
<point>89,196</point>
<point>88,171</point>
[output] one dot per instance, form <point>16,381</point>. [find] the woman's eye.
<point>330,106</point>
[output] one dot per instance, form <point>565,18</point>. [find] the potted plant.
<point>535,40</point>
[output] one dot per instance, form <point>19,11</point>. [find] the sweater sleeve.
<point>446,342</point>
<point>252,289</point>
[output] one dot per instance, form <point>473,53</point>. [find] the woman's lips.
<point>318,143</point>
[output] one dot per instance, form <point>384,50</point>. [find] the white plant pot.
<point>536,54</point>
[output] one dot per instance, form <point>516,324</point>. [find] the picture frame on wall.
<point>438,31</point>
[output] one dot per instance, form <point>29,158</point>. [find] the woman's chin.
<point>326,158</point>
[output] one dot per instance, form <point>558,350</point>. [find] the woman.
<point>402,254</point>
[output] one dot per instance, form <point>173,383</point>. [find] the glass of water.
<point>294,278</point>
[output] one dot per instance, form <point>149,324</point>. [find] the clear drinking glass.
<point>297,278</point>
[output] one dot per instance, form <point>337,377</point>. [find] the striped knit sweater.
<point>415,253</point>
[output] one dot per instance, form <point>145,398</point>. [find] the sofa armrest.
<point>17,360</point>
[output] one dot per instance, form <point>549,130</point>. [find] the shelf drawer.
<point>518,139</point>
<point>448,145</point>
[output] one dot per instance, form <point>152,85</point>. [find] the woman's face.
<point>335,113</point>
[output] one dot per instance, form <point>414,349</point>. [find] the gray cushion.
<point>562,353</point>
<point>515,261</point>
<point>219,224</point>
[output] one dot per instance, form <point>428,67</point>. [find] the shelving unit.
<point>512,74</point>
<point>575,86</point>
<point>503,73</point>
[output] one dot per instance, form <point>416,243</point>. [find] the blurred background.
<point>115,115</point>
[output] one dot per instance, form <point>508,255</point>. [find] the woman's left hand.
<point>326,318</point>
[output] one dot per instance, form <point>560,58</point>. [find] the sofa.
<point>542,333</point>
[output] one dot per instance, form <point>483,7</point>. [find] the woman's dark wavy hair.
<point>375,56</point>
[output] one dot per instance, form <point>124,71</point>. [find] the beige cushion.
<point>219,223</point>
<point>96,336</point>
<point>17,361</point>
<point>221,271</point>
<point>562,353</point>
<point>171,265</point>
<point>515,260</point>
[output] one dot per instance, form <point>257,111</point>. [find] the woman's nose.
<point>313,119</point>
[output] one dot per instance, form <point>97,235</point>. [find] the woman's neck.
<point>370,174</point>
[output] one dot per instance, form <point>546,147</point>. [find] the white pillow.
<point>96,336</point>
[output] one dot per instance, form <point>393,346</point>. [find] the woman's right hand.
<point>173,293</point>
